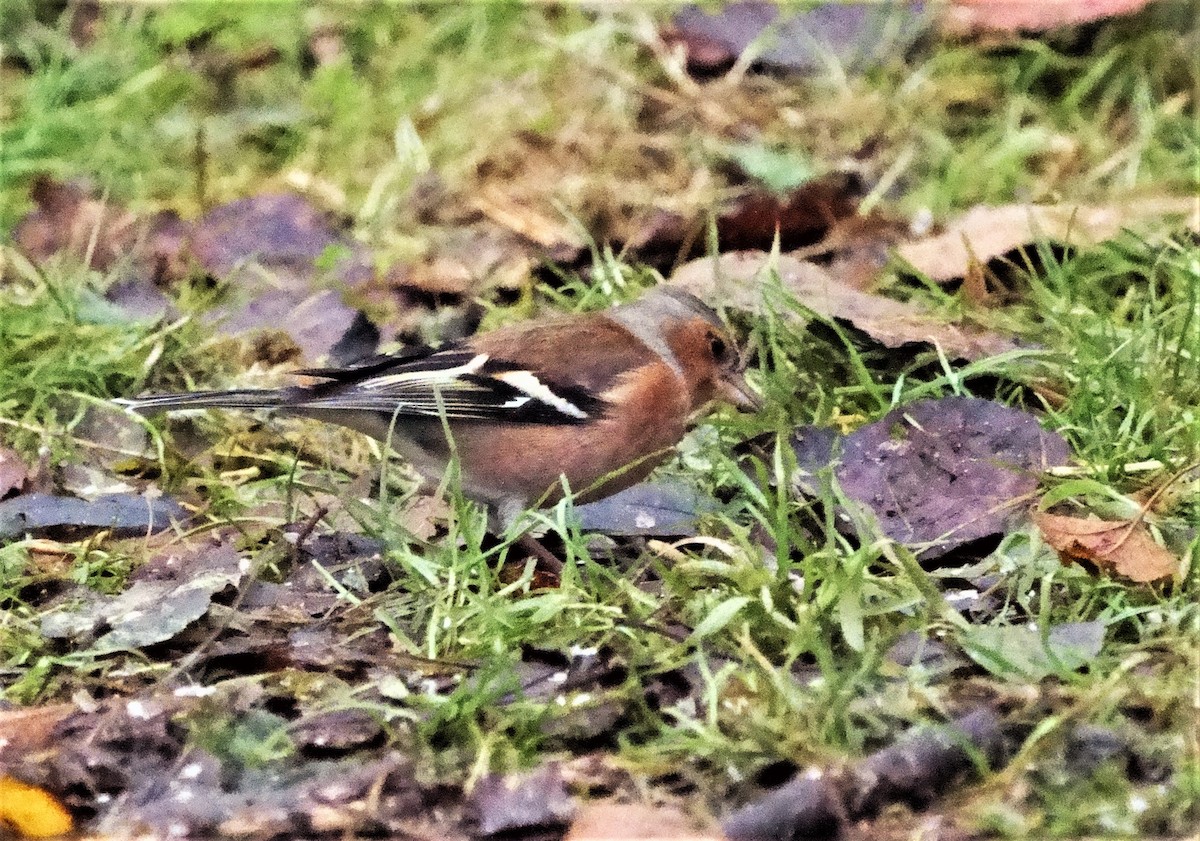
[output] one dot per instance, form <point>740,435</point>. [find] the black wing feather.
<point>474,396</point>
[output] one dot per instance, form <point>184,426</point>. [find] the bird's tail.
<point>246,398</point>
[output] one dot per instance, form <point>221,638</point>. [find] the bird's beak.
<point>736,390</point>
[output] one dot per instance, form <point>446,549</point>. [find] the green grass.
<point>785,650</point>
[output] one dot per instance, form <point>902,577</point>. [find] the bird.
<point>591,402</point>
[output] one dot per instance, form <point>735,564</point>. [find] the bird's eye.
<point>717,345</point>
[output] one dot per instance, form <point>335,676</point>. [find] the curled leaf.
<point>1123,547</point>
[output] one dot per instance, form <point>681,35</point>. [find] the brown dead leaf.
<point>435,299</point>
<point>857,248</point>
<point>67,218</point>
<point>736,279</point>
<point>1123,547</point>
<point>27,731</point>
<point>802,217</point>
<point>969,17</point>
<point>551,232</point>
<point>818,211</point>
<point>426,516</point>
<point>605,820</point>
<point>440,281</point>
<point>985,233</point>
<point>13,472</point>
<point>462,263</point>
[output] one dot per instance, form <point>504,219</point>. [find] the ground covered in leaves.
<point>942,586</point>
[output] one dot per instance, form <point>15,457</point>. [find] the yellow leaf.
<point>31,811</point>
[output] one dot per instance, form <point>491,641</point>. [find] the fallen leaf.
<point>116,444</point>
<point>425,516</point>
<point>926,761</point>
<point>444,280</point>
<point>270,649</point>
<point>536,799</point>
<point>13,472</point>
<point>985,233</point>
<point>803,807</point>
<point>552,233</point>
<point>336,732</point>
<point>658,509</point>
<point>301,250</point>
<point>137,762</point>
<point>582,681</point>
<point>920,766</point>
<point>67,219</point>
<point>736,279</point>
<point>800,218</point>
<point>940,473</point>
<point>753,220</point>
<point>1123,547</point>
<point>855,36</point>
<point>1091,745</point>
<point>605,820</point>
<point>31,811</point>
<point>858,248</point>
<point>323,327</point>
<point>815,448</point>
<point>434,299</point>
<point>1023,651</point>
<point>124,514</point>
<point>140,299</point>
<point>283,232</point>
<point>968,17</point>
<point>25,731</point>
<point>339,561</point>
<point>932,656</point>
<point>170,594</point>
<point>198,798</point>
<point>98,750</point>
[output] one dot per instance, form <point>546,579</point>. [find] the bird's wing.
<point>459,382</point>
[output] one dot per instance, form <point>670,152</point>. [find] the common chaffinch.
<point>597,399</point>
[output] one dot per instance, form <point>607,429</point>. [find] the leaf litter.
<point>802,41</point>
<point>737,280</point>
<point>123,514</point>
<point>1028,653</point>
<point>975,17</point>
<point>167,595</point>
<point>911,771</point>
<point>984,234</point>
<point>13,473</point>
<point>1121,547</point>
<point>309,628</point>
<point>938,474</point>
